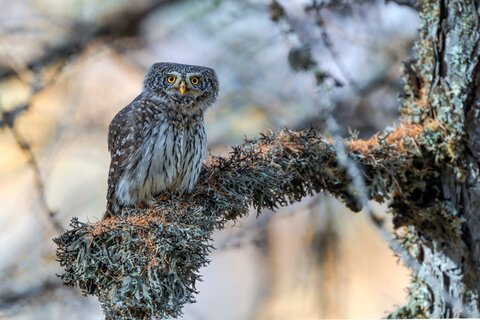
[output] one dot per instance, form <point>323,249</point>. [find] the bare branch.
<point>125,23</point>
<point>40,185</point>
<point>9,299</point>
<point>300,56</point>
<point>8,120</point>
<point>414,4</point>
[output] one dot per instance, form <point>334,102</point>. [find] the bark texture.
<point>442,95</point>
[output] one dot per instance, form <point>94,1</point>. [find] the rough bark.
<point>442,96</point>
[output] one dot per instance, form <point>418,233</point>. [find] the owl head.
<point>183,86</point>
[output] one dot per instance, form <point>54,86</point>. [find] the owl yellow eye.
<point>171,79</point>
<point>194,80</point>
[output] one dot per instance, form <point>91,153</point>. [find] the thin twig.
<point>299,44</point>
<point>8,120</point>
<point>10,299</point>
<point>39,183</point>
<point>414,4</point>
<point>124,23</point>
<point>328,43</point>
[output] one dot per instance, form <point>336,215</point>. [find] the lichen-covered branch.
<point>146,263</point>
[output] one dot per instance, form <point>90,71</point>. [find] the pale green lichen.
<point>418,305</point>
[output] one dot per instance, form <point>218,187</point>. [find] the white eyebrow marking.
<point>174,73</point>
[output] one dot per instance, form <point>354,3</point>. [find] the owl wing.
<point>124,134</point>
<point>119,122</point>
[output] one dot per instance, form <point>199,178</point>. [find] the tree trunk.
<point>443,95</point>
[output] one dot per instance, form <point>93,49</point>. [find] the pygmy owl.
<point>157,142</point>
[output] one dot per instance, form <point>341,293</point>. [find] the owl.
<point>157,143</point>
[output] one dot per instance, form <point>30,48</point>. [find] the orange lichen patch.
<point>293,147</point>
<point>210,162</point>
<point>286,140</point>
<point>423,101</point>
<point>115,223</point>
<point>150,246</point>
<point>395,139</point>
<point>288,136</point>
<point>433,124</point>
<point>363,146</point>
<point>404,130</point>
<point>262,149</point>
<point>290,141</point>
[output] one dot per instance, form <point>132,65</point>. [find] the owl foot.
<point>163,197</point>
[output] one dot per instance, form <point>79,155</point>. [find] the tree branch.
<point>39,183</point>
<point>124,23</point>
<point>9,299</point>
<point>145,263</point>
<point>8,120</point>
<point>414,4</point>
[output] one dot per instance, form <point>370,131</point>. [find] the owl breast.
<point>169,159</point>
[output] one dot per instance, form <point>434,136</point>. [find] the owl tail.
<point>113,209</point>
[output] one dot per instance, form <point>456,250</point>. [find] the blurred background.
<point>67,67</point>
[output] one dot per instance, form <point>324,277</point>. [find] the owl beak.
<point>182,88</point>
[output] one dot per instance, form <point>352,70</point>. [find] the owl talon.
<point>163,197</point>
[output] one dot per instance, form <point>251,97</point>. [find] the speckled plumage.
<point>158,143</point>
